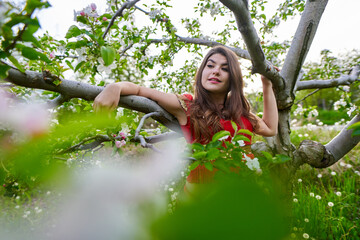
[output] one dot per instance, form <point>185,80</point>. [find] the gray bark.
<point>343,80</point>
<point>73,89</point>
<point>240,52</point>
<point>343,142</point>
<point>299,48</point>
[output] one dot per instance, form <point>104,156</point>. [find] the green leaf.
<point>3,71</point>
<point>16,63</point>
<point>220,134</point>
<point>3,54</point>
<point>73,31</point>
<point>240,137</point>
<point>208,166</point>
<point>216,144</point>
<point>33,4</point>
<point>198,146</point>
<point>32,54</point>
<point>221,165</point>
<point>69,64</point>
<point>199,155</point>
<point>79,65</point>
<point>194,165</point>
<point>108,55</point>
<point>356,129</point>
<point>234,125</point>
<point>213,153</point>
<point>280,158</point>
<point>245,131</point>
<point>267,155</point>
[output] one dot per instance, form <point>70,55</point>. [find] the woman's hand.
<point>265,80</point>
<point>108,99</point>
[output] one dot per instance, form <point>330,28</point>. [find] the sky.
<point>337,30</point>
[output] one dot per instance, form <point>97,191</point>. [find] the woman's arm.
<point>268,124</point>
<point>109,98</point>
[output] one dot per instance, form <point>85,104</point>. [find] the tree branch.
<point>343,142</point>
<point>308,95</point>
<point>163,137</point>
<point>98,139</point>
<point>240,52</point>
<point>119,13</point>
<point>319,156</point>
<point>140,138</point>
<point>343,80</point>
<point>74,89</point>
<point>252,41</point>
<point>58,101</point>
<point>301,43</point>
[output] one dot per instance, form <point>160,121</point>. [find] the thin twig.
<point>58,101</point>
<point>313,92</point>
<point>141,138</point>
<point>119,13</point>
<point>82,146</point>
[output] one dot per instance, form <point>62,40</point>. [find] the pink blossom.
<point>122,135</point>
<point>104,19</point>
<point>52,55</point>
<point>82,13</point>
<point>93,6</point>
<point>119,144</point>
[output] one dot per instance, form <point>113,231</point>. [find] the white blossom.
<point>154,13</point>
<point>253,164</point>
<point>339,103</point>
<point>331,204</point>
<point>318,197</point>
<point>351,110</point>
<point>81,54</point>
<point>107,69</point>
<point>338,194</point>
<point>306,236</point>
<point>333,173</point>
<point>312,194</point>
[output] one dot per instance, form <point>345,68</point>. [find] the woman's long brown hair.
<point>204,114</point>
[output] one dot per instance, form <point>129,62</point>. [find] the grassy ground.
<point>326,202</point>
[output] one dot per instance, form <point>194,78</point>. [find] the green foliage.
<point>231,209</point>
<point>35,161</point>
<point>330,117</point>
<point>356,129</point>
<point>326,202</point>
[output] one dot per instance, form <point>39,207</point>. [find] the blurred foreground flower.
<point>28,120</point>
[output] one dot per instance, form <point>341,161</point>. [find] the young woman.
<point>218,99</point>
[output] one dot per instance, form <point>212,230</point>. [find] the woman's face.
<point>215,75</point>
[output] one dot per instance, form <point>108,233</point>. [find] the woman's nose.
<point>216,70</point>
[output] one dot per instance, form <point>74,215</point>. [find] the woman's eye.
<point>225,69</point>
<point>209,66</point>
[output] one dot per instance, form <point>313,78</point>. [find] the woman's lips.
<point>214,80</point>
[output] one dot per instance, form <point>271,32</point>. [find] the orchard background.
<point>68,173</point>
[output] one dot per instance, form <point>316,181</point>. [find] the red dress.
<point>201,174</point>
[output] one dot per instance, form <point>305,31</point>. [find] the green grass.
<point>335,213</point>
